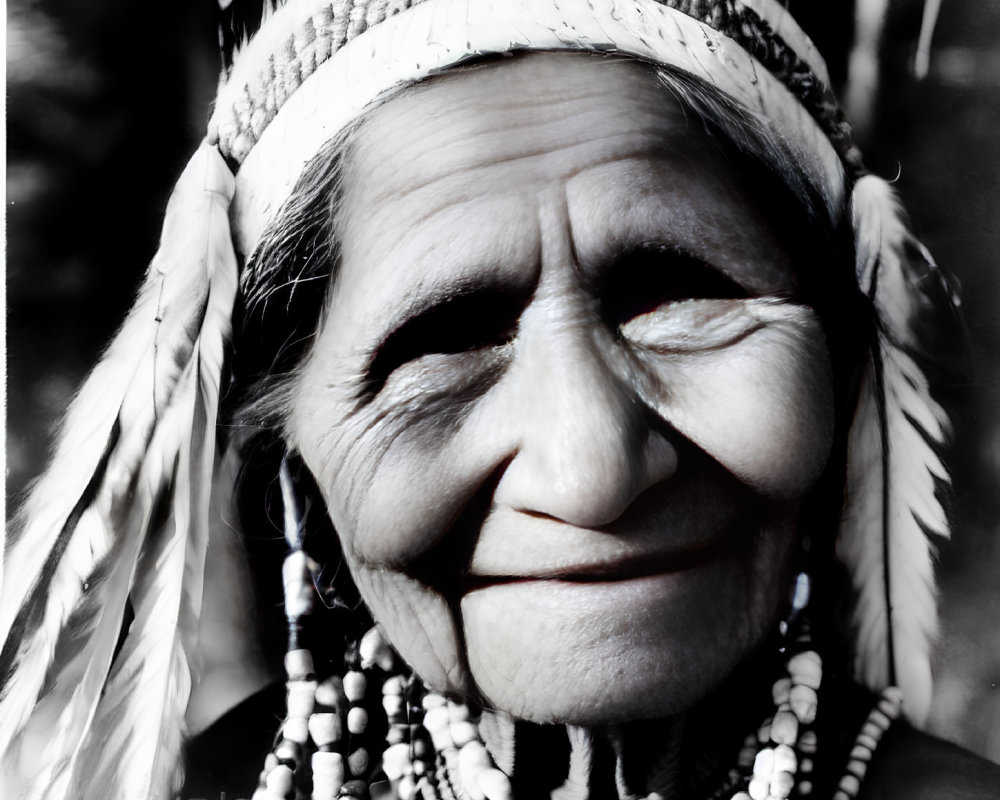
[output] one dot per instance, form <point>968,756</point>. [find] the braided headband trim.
<point>301,36</point>
<point>438,34</point>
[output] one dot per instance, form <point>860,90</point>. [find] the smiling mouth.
<point>621,569</point>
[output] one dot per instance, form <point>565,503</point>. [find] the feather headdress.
<point>894,466</point>
<point>104,578</point>
<point>120,522</point>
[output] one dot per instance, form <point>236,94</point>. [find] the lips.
<point>553,551</point>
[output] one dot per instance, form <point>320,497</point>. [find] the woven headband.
<point>316,66</point>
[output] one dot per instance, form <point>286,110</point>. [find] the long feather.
<point>71,568</point>
<point>140,721</point>
<point>894,468</point>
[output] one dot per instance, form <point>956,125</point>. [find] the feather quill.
<point>893,465</point>
<point>143,424</point>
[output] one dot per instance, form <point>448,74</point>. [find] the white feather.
<point>71,576</point>
<point>891,493</point>
<point>140,721</point>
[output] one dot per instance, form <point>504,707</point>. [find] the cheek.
<point>394,490</point>
<point>763,407</point>
<point>419,623</point>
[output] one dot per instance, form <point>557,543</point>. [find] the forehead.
<point>460,166</point>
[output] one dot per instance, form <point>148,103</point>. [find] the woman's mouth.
<point>619,568</point>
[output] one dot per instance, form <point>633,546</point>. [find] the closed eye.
<point>458,324</point>
<point>648,277</point>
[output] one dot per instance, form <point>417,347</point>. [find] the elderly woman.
<point>564,375</point>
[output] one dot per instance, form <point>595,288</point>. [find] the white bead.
<point>298,664</point>
<point>850,785</point>
<point>857,768</point>
<point>266,794</point>
<point>867,741</point>
<point>764,732</point>
<point>758,789</point>
<point>436,719</point>
<point>393,704</point>
<point>472,760</point>
<point>462,733</point>
<point>889,708</point>
<point>441,739</point>
<point>806,765</point>
<point>393,685</point>
<point>872,730</point>
<point>325,729</point>
<point>301,698</point>
<point>880,719</point>
<point>287,751</point>
<point>458,712</point>
<point>741,796</point>
<point>375,650</point>
<point>296,729</point>
<point>328,775</point>
<point>806,668</point>
<point>405,788</point>
<point>396,761</point>
<point>779,692</point>
<point>785,728</point>
<point>331,692</point>
<point>894,695</point>
<point>861,753</point>
<point>357,720</point>
<point>433,700</point>
<point>279,780</point>
<point>355,686</point>
<point>299,590</point>
<point>495,785</point>
<point>803,701</point>
<point>270,762</point>
<point>763,764</point>
<point>805,787</point>
<point>782,784</point>
<point>784,759</point>
<point>358,762</point>
<point>807,744</point>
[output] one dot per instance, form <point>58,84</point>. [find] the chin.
<point>605,652</point>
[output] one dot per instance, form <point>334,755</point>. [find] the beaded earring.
<point>779,756</point>
<point>277,780</point>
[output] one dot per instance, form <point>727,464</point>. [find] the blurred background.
<point>106,99</point>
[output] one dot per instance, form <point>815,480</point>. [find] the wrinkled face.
<point>560,416</point>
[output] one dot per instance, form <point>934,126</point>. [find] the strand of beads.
<point>787,741</point>
<point>277,780</point>
<point>879,720</point>
<point>355,691</point>
<point>464,767</point>
<point>407,761</point>
<point>326,729</point>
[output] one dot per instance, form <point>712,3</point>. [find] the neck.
<point>688,755</point>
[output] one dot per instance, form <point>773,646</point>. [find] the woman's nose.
<point>587,445</point>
